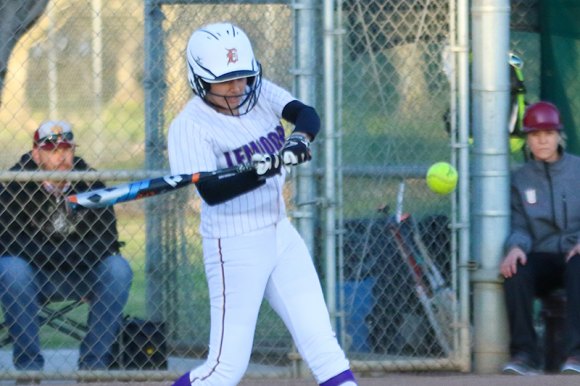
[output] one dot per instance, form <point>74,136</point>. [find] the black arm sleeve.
<point>221,190</point>
<point>304,117</point>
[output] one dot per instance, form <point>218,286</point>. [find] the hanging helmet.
<point>221,52</point>
<point>542,116</point>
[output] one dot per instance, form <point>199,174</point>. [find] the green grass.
<point>131,227</point>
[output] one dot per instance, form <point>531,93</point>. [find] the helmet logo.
<point>57,130</point>
<point>232,55</point>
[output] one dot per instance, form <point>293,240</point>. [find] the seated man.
<point>49,253</point>
<point>543,248</point>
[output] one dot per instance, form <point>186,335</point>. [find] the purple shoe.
<point>183,380</point>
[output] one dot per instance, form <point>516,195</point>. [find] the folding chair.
<point>56,317</point>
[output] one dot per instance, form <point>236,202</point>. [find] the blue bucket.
<point>358,303</point>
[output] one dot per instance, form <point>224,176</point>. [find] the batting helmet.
<point>542,116</point>
<point>221,52</point>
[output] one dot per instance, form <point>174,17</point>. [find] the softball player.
<point>251,250</point>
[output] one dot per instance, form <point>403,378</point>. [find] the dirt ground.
<point>437,379</point>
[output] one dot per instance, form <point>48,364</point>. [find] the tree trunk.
<point>16,18</point>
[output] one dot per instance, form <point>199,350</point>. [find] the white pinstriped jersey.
<point>201,139</point>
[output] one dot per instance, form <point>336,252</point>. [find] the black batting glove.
<point>296,149</point>
<point>267,165</point>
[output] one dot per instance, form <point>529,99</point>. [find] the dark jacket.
<point>545,205</point>
<point>36,225</point>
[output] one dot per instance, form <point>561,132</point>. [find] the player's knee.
<point>15,271</point>
<point>523,276</point>
<point>118,271</point>
<point>573,263</point>
<point>514,282</point>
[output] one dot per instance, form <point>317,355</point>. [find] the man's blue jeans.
<point>106,288</point>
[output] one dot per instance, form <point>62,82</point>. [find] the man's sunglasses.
<point>59,137</point>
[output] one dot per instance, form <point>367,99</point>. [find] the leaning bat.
<point>104,197</point>
<point>436,298</point>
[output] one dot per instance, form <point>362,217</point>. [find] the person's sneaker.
<point>183,380</point>
<point>571,366</point>
<point>520,365</point>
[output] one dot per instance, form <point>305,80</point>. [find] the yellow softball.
<point>442,178</point>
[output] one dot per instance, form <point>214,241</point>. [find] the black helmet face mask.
<point>235,104</point>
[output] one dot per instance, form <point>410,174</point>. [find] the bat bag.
<point>140,345</point>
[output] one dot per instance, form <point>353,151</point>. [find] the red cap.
<point>542,116</point>
<point>53,134</point>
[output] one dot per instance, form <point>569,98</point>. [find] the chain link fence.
<point>396,96</point>
<point>116,71</point>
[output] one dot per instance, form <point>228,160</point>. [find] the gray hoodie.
<point>545,206</point>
